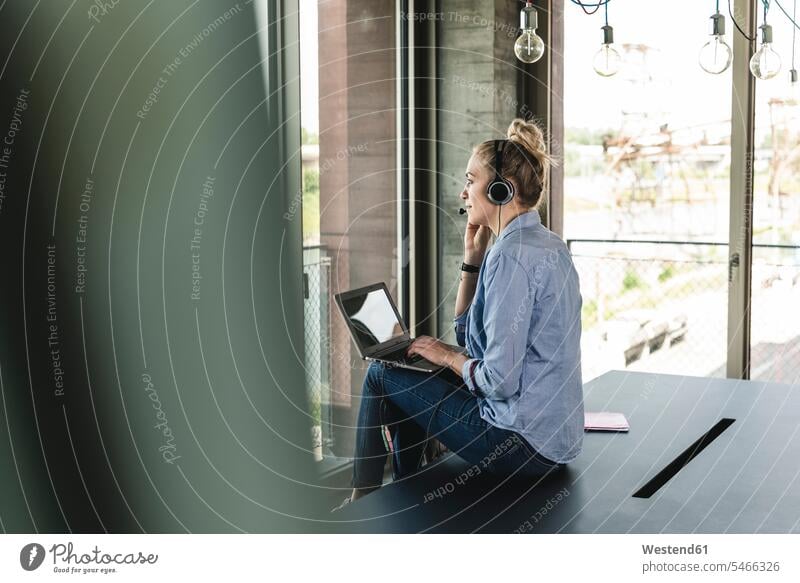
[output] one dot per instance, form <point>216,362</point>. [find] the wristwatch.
<point>470,268</point>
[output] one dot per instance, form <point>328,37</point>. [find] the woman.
<point>513,404</point>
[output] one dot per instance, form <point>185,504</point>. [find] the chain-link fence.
<point>663,306</point>
<point>775,332</point>
<point>316,311</point>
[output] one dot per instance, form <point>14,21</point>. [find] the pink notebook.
<point>605,421</point>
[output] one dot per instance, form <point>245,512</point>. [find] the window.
<point>775,332</point>
<point>646,190</point>
<point>350,197</point>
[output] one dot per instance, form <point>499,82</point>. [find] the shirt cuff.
<point>468,374</point>
<point>460,325</point>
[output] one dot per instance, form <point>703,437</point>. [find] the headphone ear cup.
<point>500,191</point>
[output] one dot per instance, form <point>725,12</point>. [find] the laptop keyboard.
<point>399,356</point>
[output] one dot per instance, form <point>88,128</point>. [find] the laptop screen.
<point>372,318</point>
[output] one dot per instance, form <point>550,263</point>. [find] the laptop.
<point>378,331</point>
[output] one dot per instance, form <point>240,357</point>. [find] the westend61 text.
<point>671,550</point>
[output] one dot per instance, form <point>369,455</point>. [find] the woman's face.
<point>480,210</point>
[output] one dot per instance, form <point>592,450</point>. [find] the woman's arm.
<point>466,291</point>
<point>476,239</point>
<point>507,316</point>
<point>456,362</point>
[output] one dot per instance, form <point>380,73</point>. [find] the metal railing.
<point>661,306</point>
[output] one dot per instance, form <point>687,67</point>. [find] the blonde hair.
<point>525,161</point>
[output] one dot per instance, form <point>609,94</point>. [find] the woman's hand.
<point>476,240</point>
<point>431,349</point>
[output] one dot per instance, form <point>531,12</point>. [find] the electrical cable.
<point>736,24</point>
<point>791,19</point>
<point>499,214</point>
<point>794,33</point>
<point>585,5</point>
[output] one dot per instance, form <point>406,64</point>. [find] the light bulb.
<point>607,60</point>
<point>716,54</point>
<point>529,47</point>
<point>766,63</point>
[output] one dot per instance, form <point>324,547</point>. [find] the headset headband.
<point>499,145</point>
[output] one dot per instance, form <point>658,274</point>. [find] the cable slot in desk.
<point>684,458</point>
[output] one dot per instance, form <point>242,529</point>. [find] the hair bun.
<point>528,135</point>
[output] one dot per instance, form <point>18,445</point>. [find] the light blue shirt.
<point>522,333</point>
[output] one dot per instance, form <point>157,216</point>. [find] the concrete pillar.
<point>358,194</point>
<point>477,101</point>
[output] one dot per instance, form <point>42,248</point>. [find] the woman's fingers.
<point>418,345</point>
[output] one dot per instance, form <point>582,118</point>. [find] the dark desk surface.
<point>746,481</point>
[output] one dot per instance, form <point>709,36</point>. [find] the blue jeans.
<point>413,403</point>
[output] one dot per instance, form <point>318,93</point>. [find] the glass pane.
<point>476,94</point>
<point>349,202</point>
<point>775,333</point>
<point>645,160</point>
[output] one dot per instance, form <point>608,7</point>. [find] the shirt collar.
<point>527,219</point>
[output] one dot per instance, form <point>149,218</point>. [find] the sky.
<point>674,29</point>
<point>309,62</point>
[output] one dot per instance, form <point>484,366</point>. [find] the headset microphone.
<point>462,211</point>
